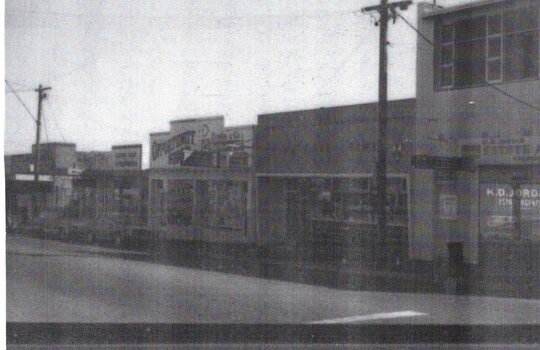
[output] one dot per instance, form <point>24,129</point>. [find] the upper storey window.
<point>495,47</point>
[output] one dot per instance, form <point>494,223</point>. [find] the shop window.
<point>180,202</point>
<point>157,201</point>
<point>510,211</point>
<point>500,46</point>
<point>222,203</point>
<point>353,199</point>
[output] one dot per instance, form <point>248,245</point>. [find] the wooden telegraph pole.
<point>41,95</point>
<point>386,11</point>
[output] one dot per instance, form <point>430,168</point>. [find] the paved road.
<point>50,281</point>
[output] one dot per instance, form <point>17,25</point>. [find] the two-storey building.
<point>477,146</point>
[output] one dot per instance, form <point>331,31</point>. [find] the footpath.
<point>325,268</point>
<point>286,264</point>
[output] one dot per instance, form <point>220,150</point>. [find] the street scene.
<point>314,163</point>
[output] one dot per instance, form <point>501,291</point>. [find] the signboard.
<point>437,162</point>
<point>172,149</point>
<point>74,171</point>
<point>127,157</point>
<point>502,206</point>
<point>448,206</point>
<point>195,142</point>
<point>30,177</point>
<point>523,150</point>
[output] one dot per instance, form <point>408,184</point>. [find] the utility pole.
<point>386,11</point>
<point>41,95</point>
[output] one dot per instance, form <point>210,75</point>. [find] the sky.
<point>119,70</point>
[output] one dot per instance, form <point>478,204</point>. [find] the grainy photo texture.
<point>282,174</point>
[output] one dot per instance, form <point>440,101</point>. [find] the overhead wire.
<point>15,91</point>
<point>22,85</point>
<point>20,100</point>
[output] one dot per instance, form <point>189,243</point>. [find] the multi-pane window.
<point>499,46</point>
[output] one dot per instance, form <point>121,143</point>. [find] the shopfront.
<point>338,210</point>
<point>201,182</point>
<point>484,205</point>
<point>510,211</point>
<point>315,180</point>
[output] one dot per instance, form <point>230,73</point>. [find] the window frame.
<point>442,67</point>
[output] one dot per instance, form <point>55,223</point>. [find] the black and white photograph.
<point>271,174</point>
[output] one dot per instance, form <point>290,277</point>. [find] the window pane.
<point>447,34</point>
<point>446,54</point>
<point>470,63</point>
<point>179,202</point>
<point>494,69</point>
<point>471,28</point>
<point>446,75</point>
<point>521,19</point>
<point>521,56</point>
<point>494,47</point>
<point>494,24</point>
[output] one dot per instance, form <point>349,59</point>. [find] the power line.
<point>30,113</point>
<point>485,82</point>
<point>341,65</point>
<point>22,85</point>
<point>14,91</point>
<point>319,14</point>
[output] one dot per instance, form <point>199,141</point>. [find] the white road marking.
<point>380,316</point>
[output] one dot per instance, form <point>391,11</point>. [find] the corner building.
<point>476,182</point>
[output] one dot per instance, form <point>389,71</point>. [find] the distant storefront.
<point>115,196</point>
<point>201,182</point>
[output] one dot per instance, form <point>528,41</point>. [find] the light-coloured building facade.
<point>477,145</point>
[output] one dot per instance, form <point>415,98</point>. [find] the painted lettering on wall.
<point>184,139</point>
<point>519,149</point>
<point>505,196</point>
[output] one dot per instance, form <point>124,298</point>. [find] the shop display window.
<point>222,203</point>
<point>510,212</point>
<point>227,199</point>
<point>157,199</point>
<point>180,202</point>
<point>351,199</point>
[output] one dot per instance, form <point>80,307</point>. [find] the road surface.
<point>49,281</point>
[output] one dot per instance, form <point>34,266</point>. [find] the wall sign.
<point>172,149</point>
<point>127,157</point>
<point>448,206</point>
<point>502,206</point>
<point>507,150</point>
<point>194,142</point>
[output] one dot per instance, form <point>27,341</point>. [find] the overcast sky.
<point>122,69</point>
